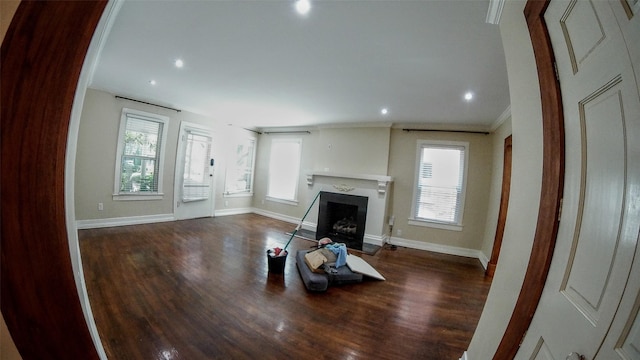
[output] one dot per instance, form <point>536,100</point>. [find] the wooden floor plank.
<point>200,289</point>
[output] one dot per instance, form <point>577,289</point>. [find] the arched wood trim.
<point>42,56</point>
<point>552,184</point>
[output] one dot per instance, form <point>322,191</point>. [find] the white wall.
<point>363,150</point>
<point>526,120</point>
<point>392,152</point>
<point>402,163</point>
<point>288,212</point>
<point>96,156</point>
<point>351,150</point>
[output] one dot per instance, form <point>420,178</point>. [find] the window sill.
<point>283,201</point>
<point>239,194</point>
<point>435,225</point>
<point>138,197</point>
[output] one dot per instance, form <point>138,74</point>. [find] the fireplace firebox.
<point>342,218</point>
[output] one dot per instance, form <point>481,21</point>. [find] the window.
<point>284,169</point>
<point>140,155</point>
<point>440,184</point>
<point>239,179</point>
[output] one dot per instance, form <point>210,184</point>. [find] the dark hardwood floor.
<point>200,289</point>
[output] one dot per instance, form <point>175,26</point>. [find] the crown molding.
<point>501,119</point>
<point>494,12</point>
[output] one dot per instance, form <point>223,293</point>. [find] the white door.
<point>194,183</point>
<point>598,230</point>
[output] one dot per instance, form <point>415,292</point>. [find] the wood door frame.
<point>504,206</point>
<point>42,56</point>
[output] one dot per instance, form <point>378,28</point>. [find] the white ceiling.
<point>258,64</point>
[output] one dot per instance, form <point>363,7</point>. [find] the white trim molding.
<point>439,248</point>
<point>495,11</point>
<point>382,180</point>
<point>273,215</point>
<point>501,119</point>
<point>124,221</point>
<point>483,260</point>
<point>236,211</point>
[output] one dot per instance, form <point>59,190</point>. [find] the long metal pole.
<point>301,220</point>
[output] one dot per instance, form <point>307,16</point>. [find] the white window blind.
<point>239,178</point>
<point>196,183</point>
<point>140,156</point>
<point>284,169</point>
<point>440,182</point>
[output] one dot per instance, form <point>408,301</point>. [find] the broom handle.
<point>301,220</point>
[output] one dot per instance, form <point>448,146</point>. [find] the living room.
<point>49,52</point>
<point>345,138</point>
<point>351,150</point>
<point>392,154</point>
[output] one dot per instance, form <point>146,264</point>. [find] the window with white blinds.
<point>284,169</point>
<point>239,178</point>
<point>140,149</point>
<point>440,182</point>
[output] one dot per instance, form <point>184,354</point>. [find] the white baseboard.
<point>237,211</point>
<point>483,260</point>
<point>375,240</point>
<point>124,221</point>
<point>273,215</point>
<point>443,249</point>
<point>464,356</point>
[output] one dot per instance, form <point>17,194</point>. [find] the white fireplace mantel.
<point>382,180</point>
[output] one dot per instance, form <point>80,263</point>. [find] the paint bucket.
<point>276,263</point>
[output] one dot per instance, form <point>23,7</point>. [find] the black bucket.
<point>276,263</point>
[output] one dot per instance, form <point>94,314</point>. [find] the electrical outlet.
<point>262,201</point>
<point>226,203</point>
<point>399,232</point>
<point>100,206</point>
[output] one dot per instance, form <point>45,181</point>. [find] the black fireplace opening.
<point>342,218</point>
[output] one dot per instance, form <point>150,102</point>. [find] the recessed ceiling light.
<point>384,111</point>
<point>303,6</point>
<point>152,82</point>
<point>468,96</point>
<point>179,63</point>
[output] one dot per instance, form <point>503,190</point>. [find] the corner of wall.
<point>525,187</point>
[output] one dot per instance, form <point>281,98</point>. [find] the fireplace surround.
<point>342,218</point>
<point>372,187</point>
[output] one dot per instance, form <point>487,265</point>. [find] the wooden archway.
<point>42,56</point>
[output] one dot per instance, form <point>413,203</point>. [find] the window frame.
<point>162,141</point>
<point>455,225</point>
<point>270,197</point>
<point>247,192</point>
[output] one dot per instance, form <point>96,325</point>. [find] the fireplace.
<point>342,218</point>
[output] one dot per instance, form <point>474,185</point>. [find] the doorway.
<point>504,206</point>
<point>194,174</point>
